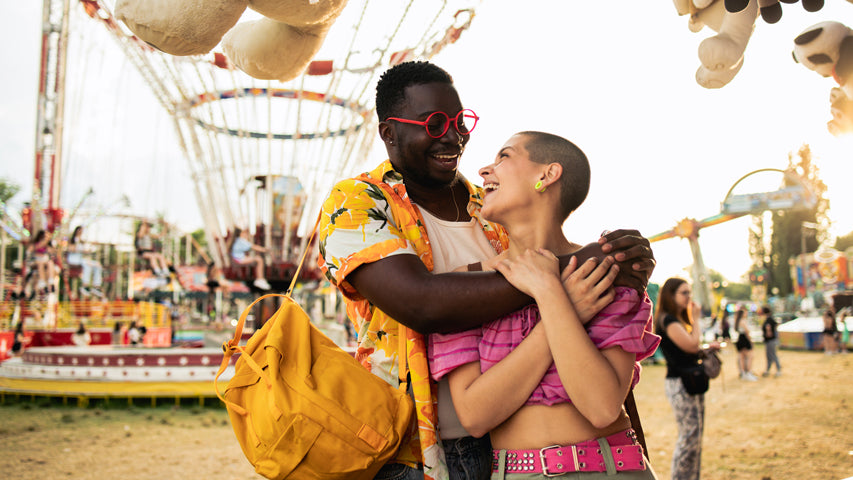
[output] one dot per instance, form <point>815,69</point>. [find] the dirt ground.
<point>798,426</point>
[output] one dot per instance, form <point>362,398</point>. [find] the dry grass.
<point>797,426</point>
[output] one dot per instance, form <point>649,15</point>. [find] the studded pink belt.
<point>586,456</point>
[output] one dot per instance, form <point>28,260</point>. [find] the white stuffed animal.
<point>841,108</point>
<point>277,47</point>
<point>721,55</point>
<point>827,48</point>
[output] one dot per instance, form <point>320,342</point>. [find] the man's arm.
<point>402,287</point>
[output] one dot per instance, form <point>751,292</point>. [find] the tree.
<point>8,189</point>
<point>738,291</point>
<point>758,251</point>
<point>788,231</point>
<point>727,289</point>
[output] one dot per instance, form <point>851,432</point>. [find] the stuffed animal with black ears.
<point>827,48</point>
<point>771,10</point>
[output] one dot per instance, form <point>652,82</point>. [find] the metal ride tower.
<point>44,211</point>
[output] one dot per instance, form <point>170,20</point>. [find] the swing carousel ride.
<point>267,118</point>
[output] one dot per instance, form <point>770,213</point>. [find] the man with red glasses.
<point>387,238</point>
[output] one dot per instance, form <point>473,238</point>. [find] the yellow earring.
<point>538,187</point>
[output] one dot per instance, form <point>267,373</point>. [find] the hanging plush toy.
<point>841,108</point>
<point>771,11</point>
<point>827,48</point>
<point>277,47</point>
<point>721,55</point>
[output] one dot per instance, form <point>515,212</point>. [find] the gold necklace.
<point>453,195</point>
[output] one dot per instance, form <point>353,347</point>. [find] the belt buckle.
<point>545,464</point>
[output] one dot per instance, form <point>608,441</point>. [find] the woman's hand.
<point>634,253</point>
<point>532,272</point>
<point>590,287</point>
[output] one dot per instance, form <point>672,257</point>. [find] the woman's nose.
<point>485,171</point>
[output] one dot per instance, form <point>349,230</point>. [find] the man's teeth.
<point>446,157</point>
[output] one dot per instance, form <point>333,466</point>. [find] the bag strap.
<point>229,348</point>
<point>634,415</point>
<point>232,345</point>
<point>304,254</point>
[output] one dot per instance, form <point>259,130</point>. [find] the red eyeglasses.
<point>437,123</point>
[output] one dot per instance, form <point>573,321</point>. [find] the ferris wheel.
<point>262,154</point>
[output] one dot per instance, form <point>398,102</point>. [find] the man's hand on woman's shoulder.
<point>633,253</point>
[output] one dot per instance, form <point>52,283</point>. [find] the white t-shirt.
<point>453,244</point>
<point>81,339</point>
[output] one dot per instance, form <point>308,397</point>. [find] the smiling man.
<point>389,240</point>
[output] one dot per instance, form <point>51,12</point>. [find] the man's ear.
<point>387,133</point>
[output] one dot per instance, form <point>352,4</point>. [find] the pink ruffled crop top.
<point>626,322</point>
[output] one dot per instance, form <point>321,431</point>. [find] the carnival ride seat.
<point>239,272</point>
<point>74,271</point>
<point>280,269</point>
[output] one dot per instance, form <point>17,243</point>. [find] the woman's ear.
<point>553,173</point>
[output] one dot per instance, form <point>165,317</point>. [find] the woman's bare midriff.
<point>538,426</point>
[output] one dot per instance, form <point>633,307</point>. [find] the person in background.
<point>216,281</point>
<point>744,347</point>
<point>725,327</point>
<point>41,252</point>
<point>134,334</point>
<point>19,341</point>
<point>77,253</point>
<point>830,332</point>
<point>681,343</point>
<point>845,332</point>
<point>81,337</point>
<point>117,337</point>
<point>244,252</point>
<point>771,341</point>
<point>144,243</point>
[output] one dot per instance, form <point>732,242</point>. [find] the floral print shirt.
<point>366,219</point>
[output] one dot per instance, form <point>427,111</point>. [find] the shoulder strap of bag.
<point>232,345</point>
<point>631,407</point>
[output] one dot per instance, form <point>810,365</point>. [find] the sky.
<point>616,78</point>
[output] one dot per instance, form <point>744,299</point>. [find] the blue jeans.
<point>468,458</point>
<point>398,471</point>
<point>770,349</point>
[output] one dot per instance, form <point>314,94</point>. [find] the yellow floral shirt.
<point>365,219</point>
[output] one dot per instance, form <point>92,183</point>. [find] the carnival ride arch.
<point>793,196</point>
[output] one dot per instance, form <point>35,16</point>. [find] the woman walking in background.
<point>830,332</point>
<point>680,344</point>
<point>771,341</point>
<point>744,347</point>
